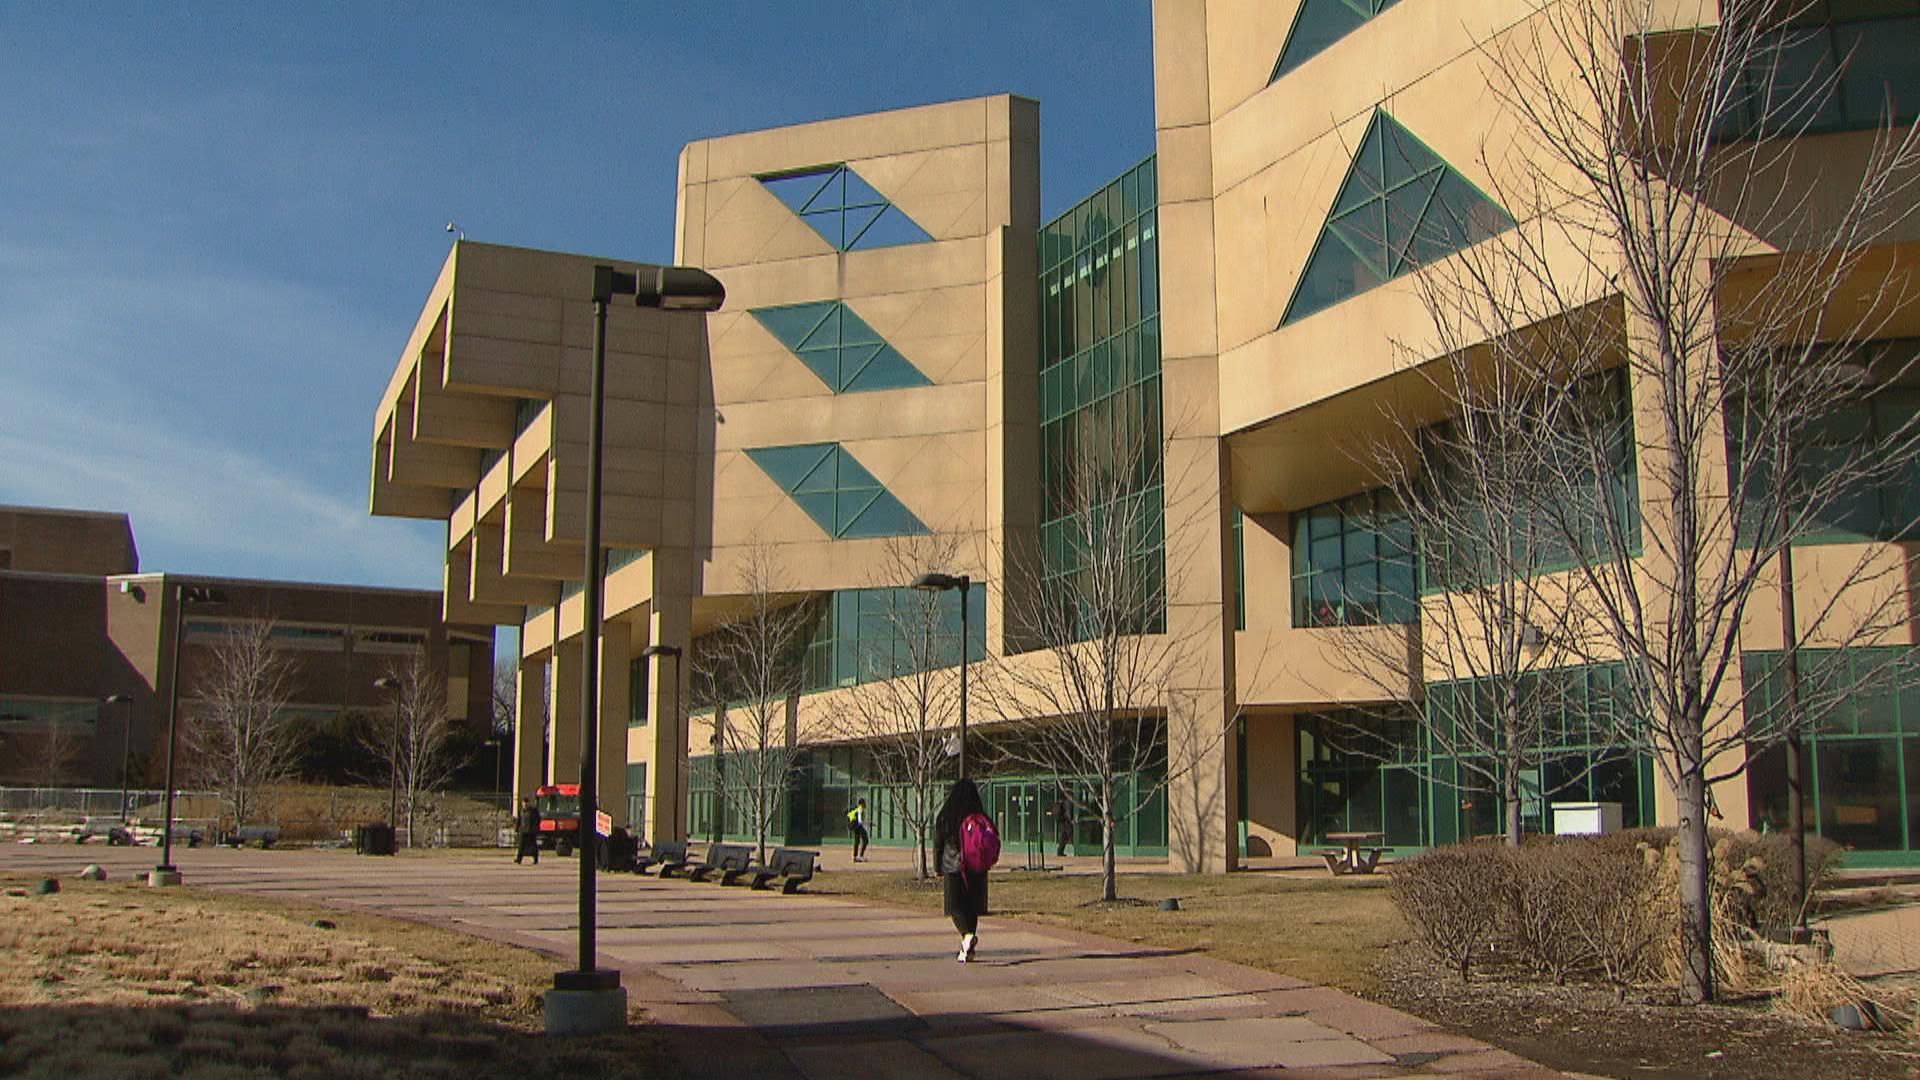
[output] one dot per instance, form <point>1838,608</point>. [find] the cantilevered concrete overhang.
<point>483,424</point>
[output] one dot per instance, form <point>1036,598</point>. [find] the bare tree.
<point>902,709</point>
<point>239,737</point>
<point>1467,501</point>
<point>46,752</point>
<point>749,670</point>
<point>1088,699</point>
<point>503,700</point>
<point>415,736</point>
<point>1659,178</point>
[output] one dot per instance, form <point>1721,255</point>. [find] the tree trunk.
<point>1109,886</point>
<point>1696,911</point>
<point>920,846</point>
<point>1512,800</point>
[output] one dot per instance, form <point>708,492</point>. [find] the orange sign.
<point>603,823</point>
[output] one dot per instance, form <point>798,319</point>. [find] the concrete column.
<point>563,705</point>
<point>669,622</point>
<point>529,728</point>
<point>1202,815</point>
<point>1729,796</point>
<point>615,656</point>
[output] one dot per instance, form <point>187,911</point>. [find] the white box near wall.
<point>1585,818</point>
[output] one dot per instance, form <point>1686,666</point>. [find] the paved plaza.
<point>760,984</point>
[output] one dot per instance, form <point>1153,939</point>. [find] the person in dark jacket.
<point>966,894</point>
<point>529,830</point>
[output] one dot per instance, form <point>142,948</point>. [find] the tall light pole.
<point>588,1000</point>
<point>126,746</point>
<point>183,594</point>
<point>964,583</point>
<point>679,734</point>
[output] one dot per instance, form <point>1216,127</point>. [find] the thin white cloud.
<point>222,509</point>
<point>173,397</point>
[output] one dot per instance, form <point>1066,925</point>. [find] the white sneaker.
<point>967,945</point>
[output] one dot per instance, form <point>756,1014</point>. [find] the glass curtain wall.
<point>1100,407</point>
<point>1862,759</point>
<point>827,781</point>
<point>1385,771</point>
<point>1838,65</point>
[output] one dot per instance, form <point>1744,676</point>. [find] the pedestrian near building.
<point>857,825</point>
<point>965,847</point>
<point>529,832</point>
<point>1063,821</point>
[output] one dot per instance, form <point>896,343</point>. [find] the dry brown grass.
<point>114,980</point>
<point>1323,930</point>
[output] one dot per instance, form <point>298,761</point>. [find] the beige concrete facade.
<point>482,424</point>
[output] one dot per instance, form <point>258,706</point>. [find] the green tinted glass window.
<point>1401,206</point>
<point>844,209</point>
<point>839,347</point>
<point>840,495</point>
<point>1318,25</point>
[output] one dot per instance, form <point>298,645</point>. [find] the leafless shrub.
<point>1452,897</point>
<point>1611,916</point>
<point>1544,892</point>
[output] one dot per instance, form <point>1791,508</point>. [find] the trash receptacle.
<point>374,838</point>
<point>621,851</point>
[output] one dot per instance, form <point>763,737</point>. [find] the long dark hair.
<point>963,800</point>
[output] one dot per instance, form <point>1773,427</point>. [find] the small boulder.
<point>47,887</point>
<point>322,924</point>
<point>94,872</point>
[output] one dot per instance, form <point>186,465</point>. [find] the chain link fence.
<point>303,814</point>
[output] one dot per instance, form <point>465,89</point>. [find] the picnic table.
<point>1359,852</point>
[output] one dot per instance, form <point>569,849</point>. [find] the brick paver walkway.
<point>755,983</point>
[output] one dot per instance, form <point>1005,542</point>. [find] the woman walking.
<point>965,847</point>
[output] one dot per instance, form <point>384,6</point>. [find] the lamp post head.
<point>933,581</point>
<point>661,650</point>
<point>387,682</point>
<point>202,594</point>
<point>116,699</point>
<point>668,288</point>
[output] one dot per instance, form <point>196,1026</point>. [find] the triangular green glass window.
<point>1320,23</point>
<point>1401,206</point>
<point>839,347</point>
<point>844,209</point>
<point>839,494</point>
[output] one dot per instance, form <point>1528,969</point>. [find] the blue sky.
<point>218,221</point>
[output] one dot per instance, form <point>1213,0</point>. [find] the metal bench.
<point>263,835</point>
<point>793,866</point>
<point>721,858</point>
<point>668,856</point>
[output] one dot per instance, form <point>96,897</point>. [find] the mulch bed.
<point>1584,1029</point>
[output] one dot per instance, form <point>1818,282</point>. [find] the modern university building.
<point>908,349</point>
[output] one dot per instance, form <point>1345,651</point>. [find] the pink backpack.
<point>979,844</point>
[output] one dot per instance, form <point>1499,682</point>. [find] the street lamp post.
<point>680,735</point>
<point>166,873</point>
<point>588,1000</point>
<point>934,582</point>
<point>126,746</point>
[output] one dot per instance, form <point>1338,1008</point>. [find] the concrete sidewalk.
<point>748,983</point>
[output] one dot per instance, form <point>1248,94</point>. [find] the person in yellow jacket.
<point>857,825</point>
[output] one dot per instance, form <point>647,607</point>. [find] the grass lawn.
<point>111,979</point>
<point>1323,930</point>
